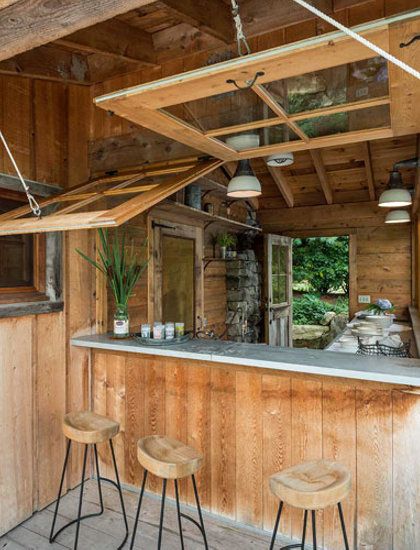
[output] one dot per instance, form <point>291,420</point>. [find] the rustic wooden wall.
<point>41,375</point>
<point>382,260</point>
<point>250,423</point>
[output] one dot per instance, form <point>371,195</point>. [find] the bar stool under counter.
<point>168,458</point>
<point>311,486</point>
<point>89,428</point>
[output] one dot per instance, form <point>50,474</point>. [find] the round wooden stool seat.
<point>312,485</point>
<point>89,427</point>
<point>168,458</point>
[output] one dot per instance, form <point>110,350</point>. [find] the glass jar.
<point>121,322</point>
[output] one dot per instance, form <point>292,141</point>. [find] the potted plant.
<point>122,271</point>
<point>225,240</point>
<point>383,309</point>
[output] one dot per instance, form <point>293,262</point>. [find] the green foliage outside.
<point>321,264</point>
<point>309,309</point>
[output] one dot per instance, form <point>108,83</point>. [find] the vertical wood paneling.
<point>198,428</point>
<point>406,471</point>
<point>374,468</point>
<point>154,418</point>
<point>339,444</point>
<point>99,401</point>
<point>16,421</point>
<point>50,404</point>
<point>248,448</point>
<point>176,410</point>
<point>306,436</point>
<point>277,444</point>
<point>135,411</point>
<point>116,409</point>
<point>223,443</point>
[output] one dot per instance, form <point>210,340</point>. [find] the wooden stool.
<point>88,428</point>
<point>168,458</point>
<point>311,486</point>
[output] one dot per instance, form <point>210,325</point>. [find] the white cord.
<point>360,39</point>
<point>36,209</point>
<point>240,35</point>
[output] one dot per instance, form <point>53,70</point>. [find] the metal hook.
<point>249,83</point>
<point>405,44</point>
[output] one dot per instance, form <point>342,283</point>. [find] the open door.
<point>278,290</point>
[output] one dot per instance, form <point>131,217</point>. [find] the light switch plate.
<point>364,299</point>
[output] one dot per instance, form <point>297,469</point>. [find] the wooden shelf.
<point>206,217</point>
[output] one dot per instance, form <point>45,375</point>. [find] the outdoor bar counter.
<point>254,409</point>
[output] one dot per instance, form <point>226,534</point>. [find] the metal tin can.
<point>145,331</point>
<point>179,329</point>
<point>169,331</point>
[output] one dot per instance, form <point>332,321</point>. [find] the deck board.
<point>105,532</point>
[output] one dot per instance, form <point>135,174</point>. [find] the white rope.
<point>360,39</point>
<point>240,35</point>
<point>36,209</point>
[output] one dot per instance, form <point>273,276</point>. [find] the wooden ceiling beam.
<point>282,185</point>
<point>114,38</point>
<point>213,18</point>
<point>322,175</point>
<point>367,159</point>
<point>28,24</point>
<point>49,63</point>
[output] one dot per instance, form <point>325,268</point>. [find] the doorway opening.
<point>321,281</point>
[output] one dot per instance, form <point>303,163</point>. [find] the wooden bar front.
<point>251,422</point>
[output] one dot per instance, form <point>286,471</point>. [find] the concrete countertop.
<point>325,363</point>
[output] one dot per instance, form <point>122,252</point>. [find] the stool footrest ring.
<point>186,516</point>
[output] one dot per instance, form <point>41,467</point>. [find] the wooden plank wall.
<point>251,423</point>
<point>41,376</point>
<point>383,258</point>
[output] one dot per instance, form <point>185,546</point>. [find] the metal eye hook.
<point>249,83</point>
<point>405,44</point>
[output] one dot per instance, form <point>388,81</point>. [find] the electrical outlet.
<point>364,299</point>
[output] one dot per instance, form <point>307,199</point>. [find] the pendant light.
<point>396,195</point>
<point>398,216</point>
<point>244,183</point>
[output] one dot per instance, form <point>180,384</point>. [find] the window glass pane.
<point>374,117</point>
<point>334,86</point>
<point>219,111</point>
<point>178,281</point>
<point>279,274</point>
<point>16,254</point>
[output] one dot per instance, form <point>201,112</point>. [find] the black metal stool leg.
<point>52,536</point>
<point>98,475</point>
<point>178,510</point>
<point>276,525</point>
<point>79,513</point>
<point>143,485</point>
<point>343,526</point>
<point>305,519</point>
<point>200,515</point>
<point>314,529</point>
<point>162,510</point>
<point>117,477</point>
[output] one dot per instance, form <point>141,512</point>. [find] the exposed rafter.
<point>116,39</point>
<point>367,159</point>
<point>27,24</point>
<point>282,184</point>
<point>213,18</point>
<point>322,175</point>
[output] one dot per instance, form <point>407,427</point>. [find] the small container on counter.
<point>158,331</point>
<point>179,329</point>
<point>145,330</point>
<point>169,331</point>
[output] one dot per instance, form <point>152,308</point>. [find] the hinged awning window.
<point>74,209</point>
<point>324,91</point>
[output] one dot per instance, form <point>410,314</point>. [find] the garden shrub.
<point>309,309</point>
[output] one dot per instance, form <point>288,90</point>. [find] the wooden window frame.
<point>45,294</point>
